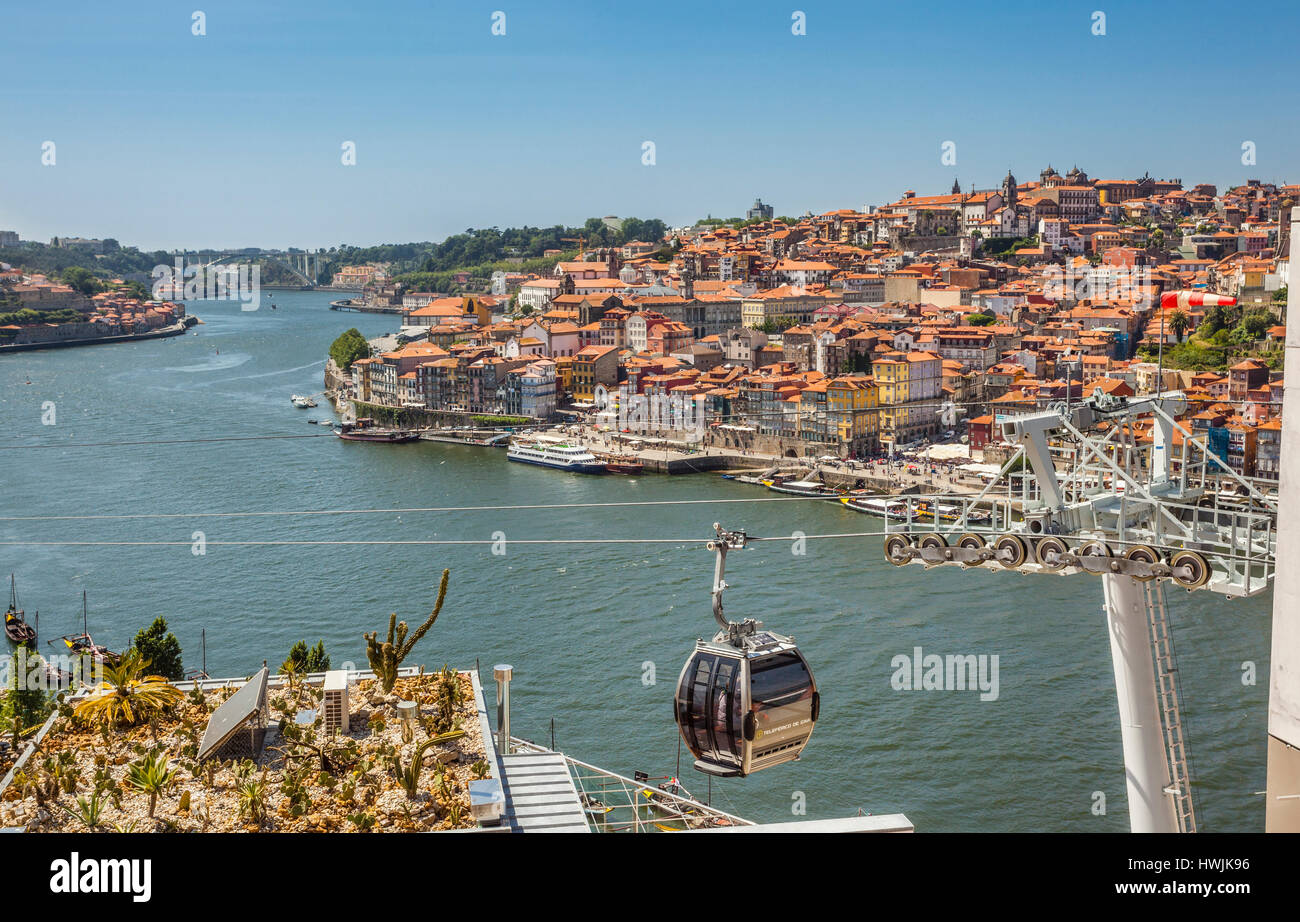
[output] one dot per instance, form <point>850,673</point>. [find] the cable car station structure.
<point>1112,492</point>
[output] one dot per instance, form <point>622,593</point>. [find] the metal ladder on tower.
<point>1166,666</point>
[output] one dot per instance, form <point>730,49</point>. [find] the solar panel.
<point>234,713</point>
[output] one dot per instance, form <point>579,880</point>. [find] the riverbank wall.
<point>175,329</point>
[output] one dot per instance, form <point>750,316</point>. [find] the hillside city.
<point>855,333</point>
<point>852,333</point>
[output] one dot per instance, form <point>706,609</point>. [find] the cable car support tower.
<point>1109,490</point>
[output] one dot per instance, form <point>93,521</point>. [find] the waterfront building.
<point>354,277</point>
<point>592,366</point>
<point>537,390</point>
<point>911,386</point>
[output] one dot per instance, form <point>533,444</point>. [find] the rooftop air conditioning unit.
<point>335,704</point>
<point>487,801</point>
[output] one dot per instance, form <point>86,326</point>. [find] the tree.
<point>128,695</point>
<point>1255,323</point>
<point>138,291</point>
<point>159,647</point>
<point>302,660</point>
<point>24,707</point>
<point>83,280</point>
<point>348,348</point>
<point>980,320</point>
<point>1179,322</point>
<point>1216,318</point>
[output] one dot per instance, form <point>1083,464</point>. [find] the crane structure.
<point>580,240</point>
<point>1118,488</point>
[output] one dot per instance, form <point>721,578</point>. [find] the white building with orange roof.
<point>435,313</point>
<point>803,273</point>
<point>538,293</point>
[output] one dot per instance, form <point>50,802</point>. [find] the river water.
<point>597,633</point>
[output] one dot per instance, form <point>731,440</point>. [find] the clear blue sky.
<point>165,139</point>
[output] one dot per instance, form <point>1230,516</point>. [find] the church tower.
<point>956,187</point>
<point>1009,191</point>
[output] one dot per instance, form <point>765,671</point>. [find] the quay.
<point>466,437</point>
<point>351,304</point>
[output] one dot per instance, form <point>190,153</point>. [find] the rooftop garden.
<point>125,756</point>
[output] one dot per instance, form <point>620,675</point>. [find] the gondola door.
<point>710,708</point>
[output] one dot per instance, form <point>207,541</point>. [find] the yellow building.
<point>592,366</point>
<point>481,313</point>
<point>911,388</point>
<point>563,374</point>
<point>853,405</point>
<point>891,376</point>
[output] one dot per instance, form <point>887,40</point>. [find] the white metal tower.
<point>1282,812</point>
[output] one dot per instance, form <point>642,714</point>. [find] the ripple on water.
<point>215,363</point>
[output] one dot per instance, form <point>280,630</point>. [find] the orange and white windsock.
<point>1195,299</point>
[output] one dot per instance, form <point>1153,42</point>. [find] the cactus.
<point>408,776</point>
<point>386,658</point>
<point>88,812</point>
<point>252,801</point>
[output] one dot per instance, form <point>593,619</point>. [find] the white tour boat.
<point>551,452</point>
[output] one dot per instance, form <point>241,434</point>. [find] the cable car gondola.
<point>746,700</point>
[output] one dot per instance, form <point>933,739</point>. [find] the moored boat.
<point>890,509</point>
<point>950,513</point>
<point>594,806</point>
<point>16,627</point>
<point>623,464</point>
<point>897,510</point>
<point>301,402</point>
<point>665,799</point>
<point>804,488</point>
<point>366,430</point>
<point>551,452</point>
<point>83,645</point>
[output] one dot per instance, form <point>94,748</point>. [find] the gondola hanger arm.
<point>726,541</point>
